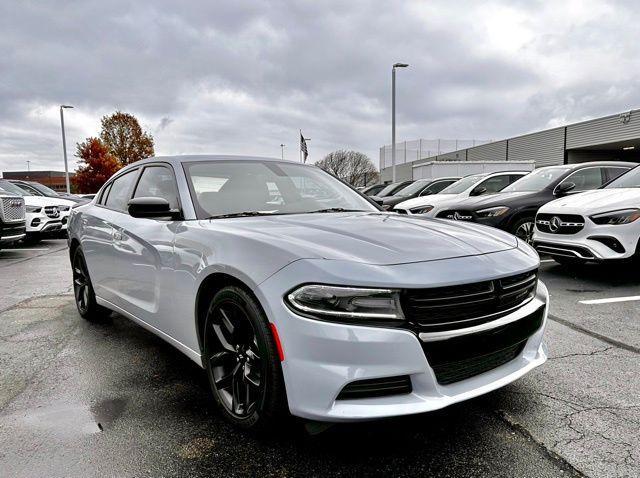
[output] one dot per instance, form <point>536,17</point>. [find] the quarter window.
<point>120,191</point>
<point>158,181</point>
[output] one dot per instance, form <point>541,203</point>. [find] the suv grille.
<point>12,209</point>
<point>463,357</point>
<point>559,223</point>
<point>52,211</point>
<point>453,307</point>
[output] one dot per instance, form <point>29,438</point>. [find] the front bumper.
<point>321,358</point>
<point>12,232</point>
<point>40,223</point>
<point>583,246</point>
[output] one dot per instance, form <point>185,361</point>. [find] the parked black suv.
<point>514,208</point>
<point>422,187</point>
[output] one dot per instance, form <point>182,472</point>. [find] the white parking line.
<point>612,299</point>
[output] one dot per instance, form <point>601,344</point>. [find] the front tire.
<point>83,292</point>
<point>242,361</point>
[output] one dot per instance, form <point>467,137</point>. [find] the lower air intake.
<point>376,387</point>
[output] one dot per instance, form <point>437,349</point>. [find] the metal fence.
<point>407,151</point>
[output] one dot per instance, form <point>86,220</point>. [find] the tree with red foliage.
<point>97,164</point>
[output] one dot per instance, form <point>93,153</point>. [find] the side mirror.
<point>478,191</point>
<point>378,201</point>
<point>564,188</point>
<point>150,207</point>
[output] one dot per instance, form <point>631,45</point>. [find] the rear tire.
<point>242,362</point>
<point>85,298</point>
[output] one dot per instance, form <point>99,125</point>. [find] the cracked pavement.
<point>80,399</point>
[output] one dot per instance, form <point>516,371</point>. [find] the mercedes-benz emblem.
<point>456,216</point>
<point>555,223</point>
<point>55,211</point>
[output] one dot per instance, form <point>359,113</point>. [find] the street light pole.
<point>282,150</point>
<point>393,118</point>
<point>64,146</point>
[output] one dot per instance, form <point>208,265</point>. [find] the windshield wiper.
<point>240,214</point>
<point>336,209</point>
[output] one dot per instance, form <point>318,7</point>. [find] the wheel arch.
<point>209,287</point>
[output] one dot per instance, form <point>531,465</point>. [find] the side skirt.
<point>192,354</point>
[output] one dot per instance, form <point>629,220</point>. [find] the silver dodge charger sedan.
<point>299,296</point>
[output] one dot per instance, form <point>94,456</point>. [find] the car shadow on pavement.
<point>623,274</point>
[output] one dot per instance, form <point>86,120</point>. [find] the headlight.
<point>63,208</point>
<point>340,303</point>
<point>492,211</point>
<point>421,209</point>
<point>624,216</point>
<point>34,208</point>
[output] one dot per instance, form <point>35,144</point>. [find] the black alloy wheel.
<point>523,229</point>
<point>242,361</point>
<point>83,290</point>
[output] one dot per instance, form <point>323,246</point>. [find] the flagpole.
<point>300,147</point>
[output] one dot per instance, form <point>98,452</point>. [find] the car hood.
<point>372,238</point>
<point>431,200</point>
<point>45,201</point>
<point>593,202</point>
<point>496,199</point>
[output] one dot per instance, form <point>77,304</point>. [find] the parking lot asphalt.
<point>111,399</point>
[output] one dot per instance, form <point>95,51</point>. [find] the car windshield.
<point>12,188</point>
<point>536,180</point>
<point>44,190</point>
<point>630,179</point>
<point>247,187</point>
<point>413,188</point>
<point>389,189</point>
<point>463,184</point>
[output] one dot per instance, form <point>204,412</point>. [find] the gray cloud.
<point>242,77</point>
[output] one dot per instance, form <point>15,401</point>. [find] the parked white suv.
<point>12,218</point>
<point>473,185</point>
<point>597,225</point>
<point>44,216</point>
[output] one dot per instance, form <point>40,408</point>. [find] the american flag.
<point>303,148</point>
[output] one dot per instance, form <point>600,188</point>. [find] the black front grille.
<point>376,387</point>
<point>559,223</point>
<point>459,358</point>
<point>457,215</point>
<point>446,308</point>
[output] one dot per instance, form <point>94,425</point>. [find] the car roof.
<point>625,164</point>
<point>192,158</point>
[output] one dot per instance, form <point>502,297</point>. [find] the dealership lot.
<point>113,400</point>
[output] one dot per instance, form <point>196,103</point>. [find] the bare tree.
<point>350,166</point>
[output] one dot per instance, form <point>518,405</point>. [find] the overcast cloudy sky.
<point>242,76</point>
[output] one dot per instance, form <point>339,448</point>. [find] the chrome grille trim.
<point>12,209</point>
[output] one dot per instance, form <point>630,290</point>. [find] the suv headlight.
<point>624,216</point>
<point>421,209</point>
<point>34,208</point>
<point>492,211</point>
<point>346,303</point>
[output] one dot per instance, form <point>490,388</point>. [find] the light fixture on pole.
<point>393,118</point>
<point>28,166</point>
<point>282,150</point>
<point>64,146</point>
